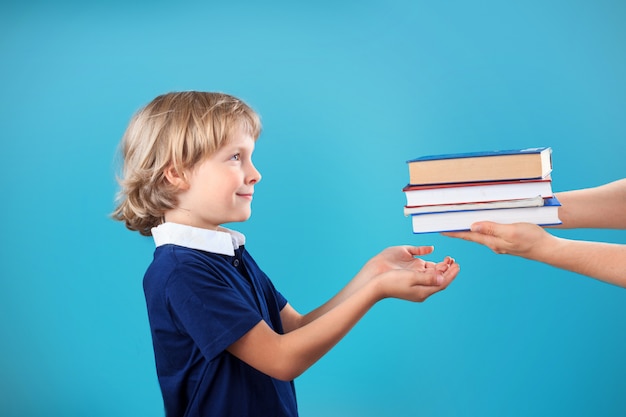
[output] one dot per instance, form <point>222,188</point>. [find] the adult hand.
<point>520,239</point>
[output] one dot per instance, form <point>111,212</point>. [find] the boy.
<point>226,342</point>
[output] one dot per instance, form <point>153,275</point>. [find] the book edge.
<point>480,154</point>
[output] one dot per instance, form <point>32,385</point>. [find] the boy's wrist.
<point>375,288</point>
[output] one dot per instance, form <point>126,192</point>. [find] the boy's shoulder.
<point>172,263</point>
<point>168,258</point>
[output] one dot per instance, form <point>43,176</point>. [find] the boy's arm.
<point>598,207</point>
<point>287,356</point>
<point>395,257</point>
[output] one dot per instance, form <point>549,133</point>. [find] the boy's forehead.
<point>240,138</point>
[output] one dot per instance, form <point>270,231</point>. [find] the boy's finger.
<point>420,250</point>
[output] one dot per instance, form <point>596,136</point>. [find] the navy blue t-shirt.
<point>199,303</point>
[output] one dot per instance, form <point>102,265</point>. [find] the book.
<point>424,195</point>
<point>514,164</point>
<point>485,205</point>
<point>449,221</point>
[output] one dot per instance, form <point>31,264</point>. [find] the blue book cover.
<point>480,154</point>
<point>436,222</point>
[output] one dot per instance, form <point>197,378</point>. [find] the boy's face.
<point>219,189</point>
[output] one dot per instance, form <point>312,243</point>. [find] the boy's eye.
<point>235,157</point>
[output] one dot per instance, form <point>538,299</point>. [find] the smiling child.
<point>226,342</point>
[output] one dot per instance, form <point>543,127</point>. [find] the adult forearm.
<point>603,261</point>
<point>597,207</point>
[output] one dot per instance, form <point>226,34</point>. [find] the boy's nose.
<point>254,175</point>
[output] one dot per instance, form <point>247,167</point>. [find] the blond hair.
<point>178,130</point>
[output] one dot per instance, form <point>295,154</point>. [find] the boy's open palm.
<point>405,258</point>
<point>416,280</point>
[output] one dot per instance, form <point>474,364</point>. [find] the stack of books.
<point>450,192</point>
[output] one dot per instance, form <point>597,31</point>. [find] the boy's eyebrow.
<point>230,148</point>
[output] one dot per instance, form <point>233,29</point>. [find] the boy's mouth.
<point>245,195</point>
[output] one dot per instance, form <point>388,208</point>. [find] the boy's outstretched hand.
<point>401,274</point>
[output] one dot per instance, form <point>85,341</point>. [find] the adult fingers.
<point>486,228</point>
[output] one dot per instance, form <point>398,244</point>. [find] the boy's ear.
<point>176,178</point>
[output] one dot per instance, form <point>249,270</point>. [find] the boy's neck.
<point>223,241</point>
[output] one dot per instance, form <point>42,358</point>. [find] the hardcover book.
<point>434,222</point>
<point>484,205</point>
<point>515,164</point>
<point>423,195</point>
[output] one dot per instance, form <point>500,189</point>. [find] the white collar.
<point>222,241</point>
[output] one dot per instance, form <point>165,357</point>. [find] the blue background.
<point>348,91</point>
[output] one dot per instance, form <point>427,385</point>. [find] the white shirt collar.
<point>222,241</point>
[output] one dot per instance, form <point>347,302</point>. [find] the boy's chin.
<point>242,218</point>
